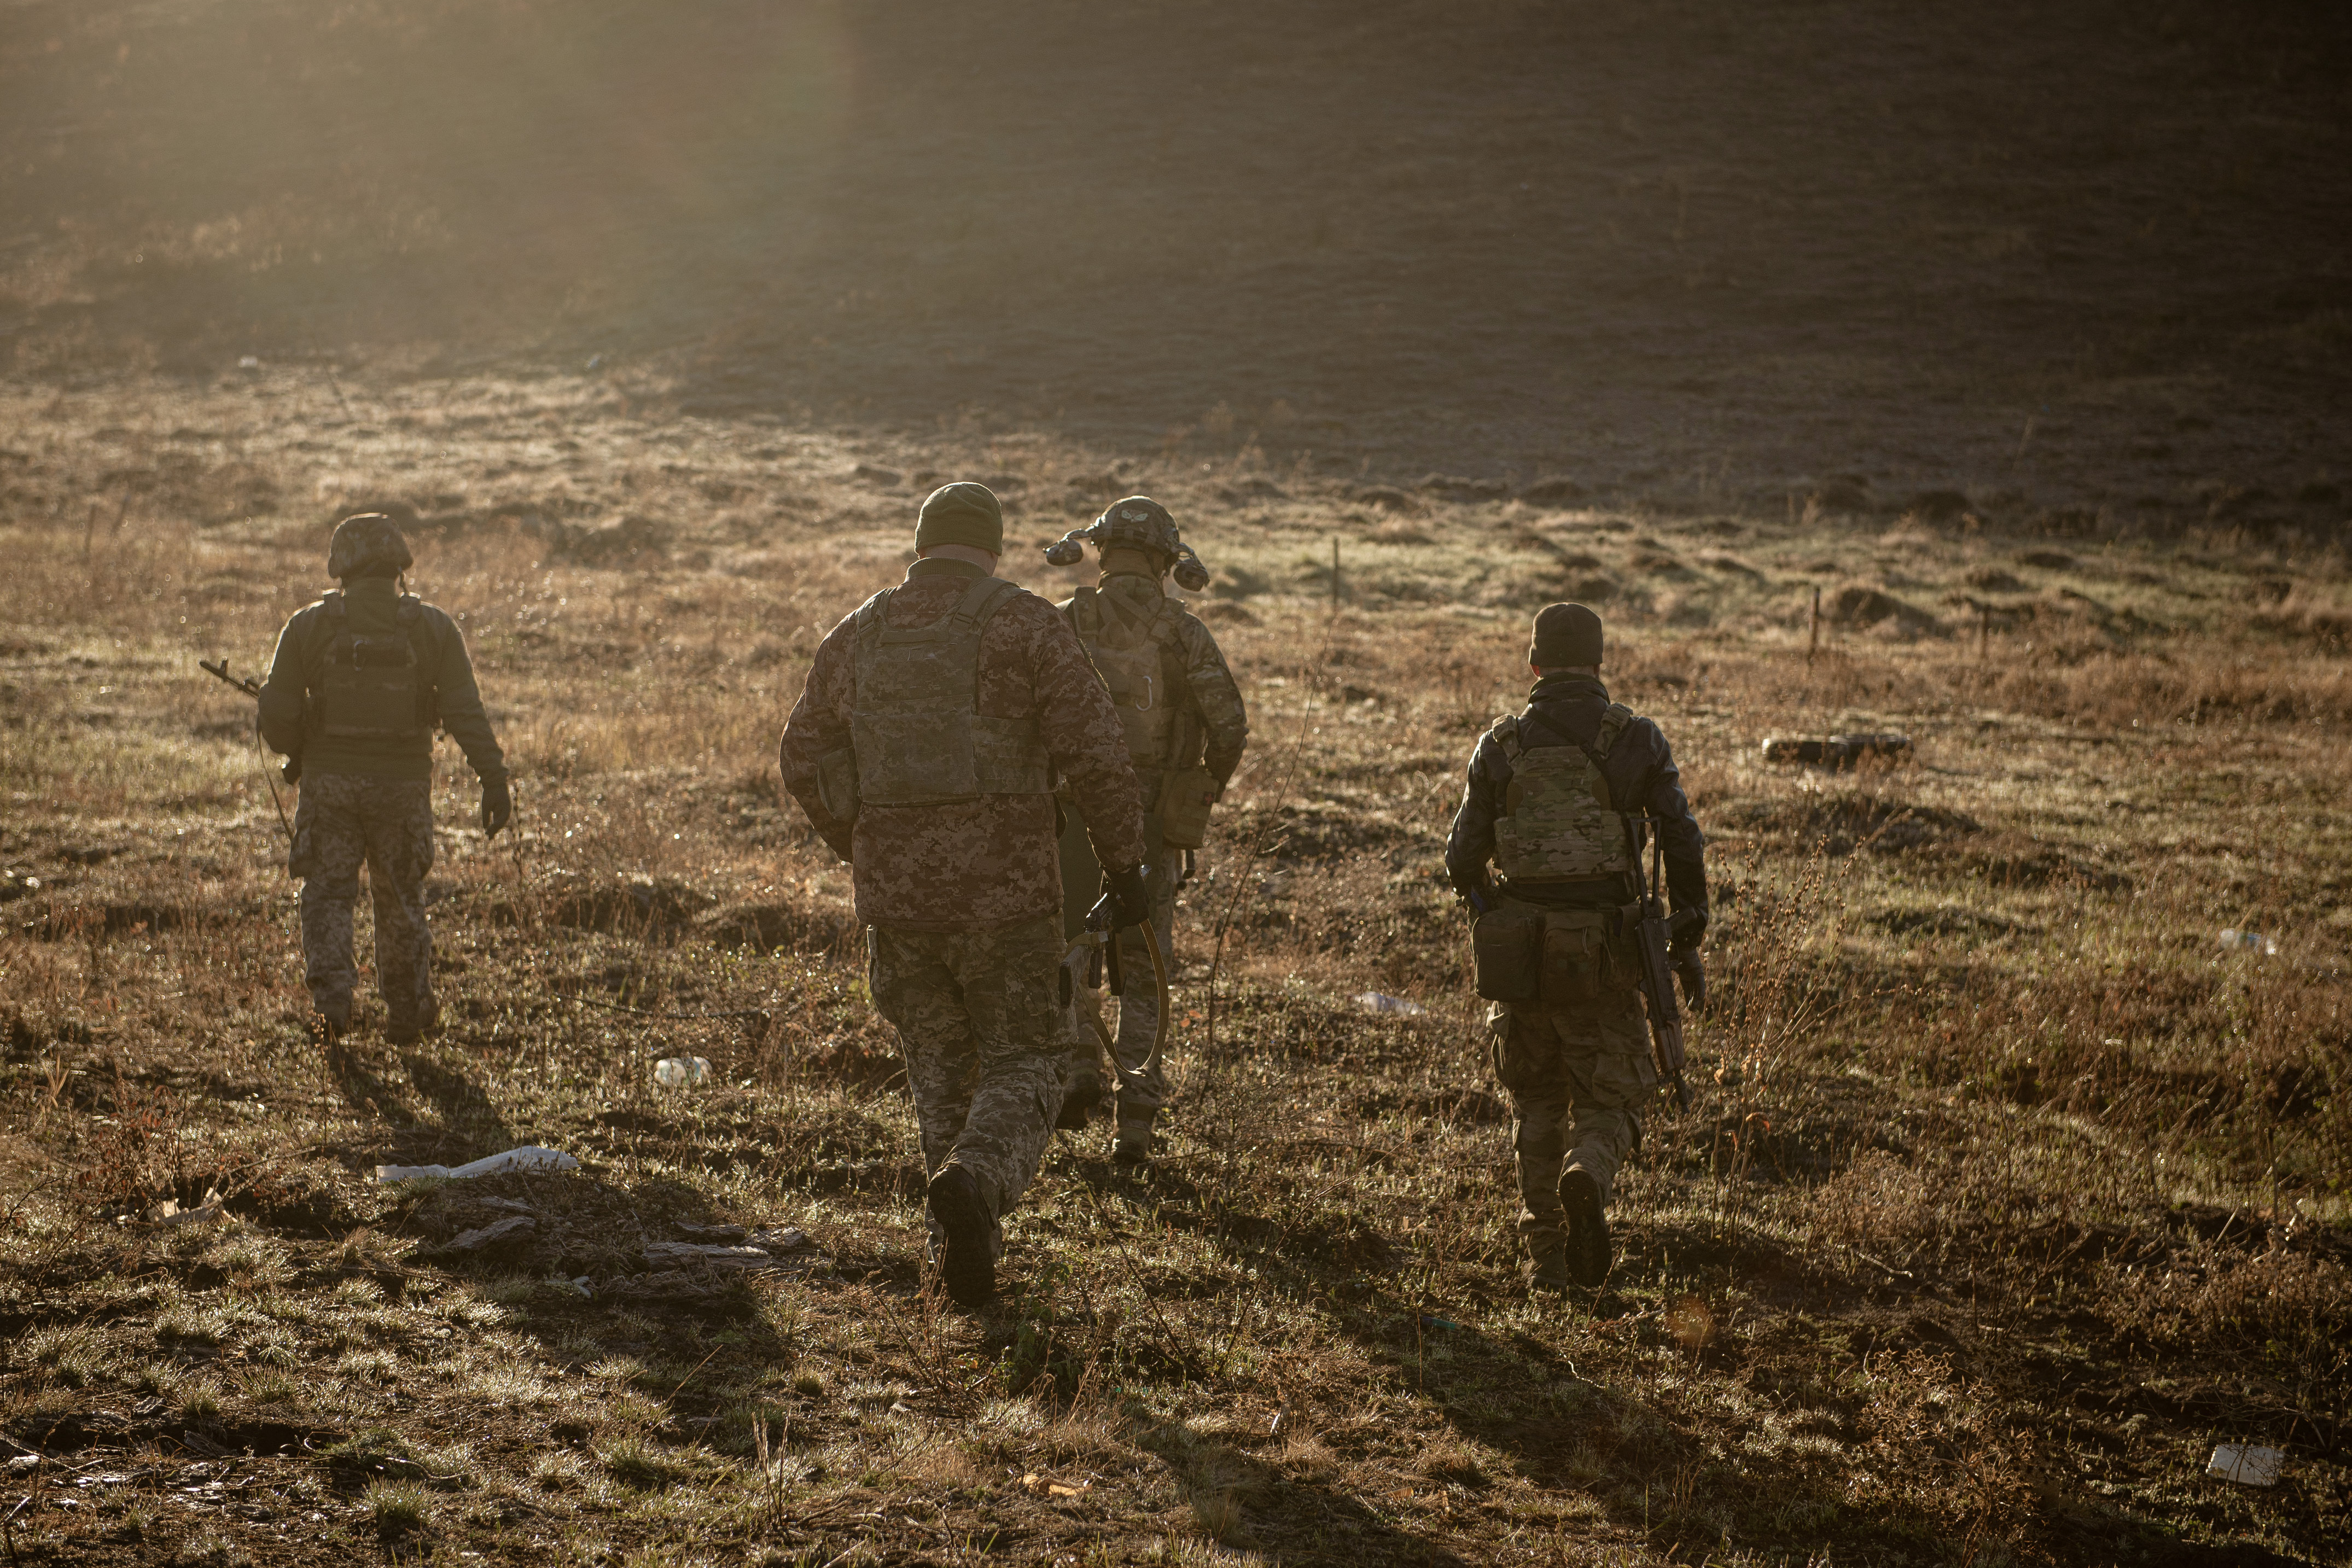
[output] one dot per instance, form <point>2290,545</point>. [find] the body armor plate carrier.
<point>373,687</point>
<point>1130,647</point>
<point>916,733</point>
<point>1559,824</point>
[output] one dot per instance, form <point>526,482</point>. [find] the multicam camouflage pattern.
<point>989,861</point>
<point>341,823</point>
<point>1559,824</point>
<point>1190,662</point>
<point>979,1018</point>
<point>367,545</point>
<point>1143,1078</point>
<point>1578,1078</point>
<point>293,697</point>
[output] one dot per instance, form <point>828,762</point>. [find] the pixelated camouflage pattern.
<point>1579,1079</point>
<point>367,545</point>
<point>983,863</point>
<point>979,1019</point>
<point>340,823</point>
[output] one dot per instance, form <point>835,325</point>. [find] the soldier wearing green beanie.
<point>924,749</point>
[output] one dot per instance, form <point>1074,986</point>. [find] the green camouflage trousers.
<point>978,1017</point>
<point>1142,1079</point>
<point>1579,1079</point>
<point>344,821</point>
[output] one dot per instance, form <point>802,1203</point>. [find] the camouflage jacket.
<point>1639,771</point>
<point>1211,693</point>
<point>989,862</point>
<point>289,709</point>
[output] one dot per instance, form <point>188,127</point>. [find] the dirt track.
<point>1685,250</point>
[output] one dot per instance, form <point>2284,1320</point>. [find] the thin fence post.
<point>1335,574</point>
<point>1813,642</point>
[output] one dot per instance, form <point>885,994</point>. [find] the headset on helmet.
<point>1143,523</point>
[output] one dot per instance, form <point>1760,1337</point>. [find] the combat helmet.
<point>367,544</point>
<point>1138,522</point>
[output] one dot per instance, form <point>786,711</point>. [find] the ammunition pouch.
<point>1507,948</point>
<point>1183,807</point>
<point>1575,956</point>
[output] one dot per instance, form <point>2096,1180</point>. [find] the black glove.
<point>1686,929</point>
<point>1129,892</point>
<point>1692,972</point>
<point>498,805</point>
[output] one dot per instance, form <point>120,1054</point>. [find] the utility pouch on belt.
<point>1183,807</point>
<point>836,783</point>
<point>1575,949</point>
<point>1507,949</point>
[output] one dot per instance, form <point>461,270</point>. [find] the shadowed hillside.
<point>2081,253</point>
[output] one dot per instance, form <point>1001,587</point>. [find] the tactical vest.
<point>1559,824</point>
<point>916,731</point>
<point>373,687</point>
<point>1131,647</point>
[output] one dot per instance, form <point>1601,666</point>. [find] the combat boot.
<point>409,1034</point>
<point>1589,1256</point>
<point>1132,1147</point>
<point>1079,1102</point>
<point>1546,1272</point>
<point>966,1263</point>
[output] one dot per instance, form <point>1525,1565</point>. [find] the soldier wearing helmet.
<point>359,683</point>
<point>1185,728</point>
<point>1561,800</point>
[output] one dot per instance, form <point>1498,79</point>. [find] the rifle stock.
<point>292,770</point>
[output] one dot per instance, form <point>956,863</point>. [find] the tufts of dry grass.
<point>2009,1188</point>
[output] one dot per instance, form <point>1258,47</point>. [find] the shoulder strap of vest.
<point>332,602</point>
<point>1612,726</point>
<point>1505,731</point>
<point>868,617</point>
<point>410,609</point>
<point>986,598</point>
<point>1086,614</point>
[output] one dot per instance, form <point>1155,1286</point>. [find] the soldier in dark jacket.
<point>1555,798</point>
<point>924,750</point>
<point>356,688</point>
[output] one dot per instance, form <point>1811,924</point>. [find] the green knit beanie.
<point>962,514</point>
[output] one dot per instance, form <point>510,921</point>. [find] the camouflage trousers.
<point>344,821</point>
<point>1579,1079</point>
<point>980,1024</point>
<point>1142,1077</point>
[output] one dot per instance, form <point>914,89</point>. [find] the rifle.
<point>1657,967</point>
<point>292,770</point>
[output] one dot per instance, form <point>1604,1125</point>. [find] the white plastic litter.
<point>530,1158</point>
<point>2246,1464</point>
<point>2249,942</point>
<point>679,1071</point>
<point>1380,1002</point>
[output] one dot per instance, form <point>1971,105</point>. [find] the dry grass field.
<point>2008,1191</point>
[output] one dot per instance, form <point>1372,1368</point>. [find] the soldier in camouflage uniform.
<point>1553,798</point>
<point>1185,728</point>
<point>924,750</point>
<point>358,683</point>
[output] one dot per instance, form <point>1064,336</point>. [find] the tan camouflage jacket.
<point>1213,694</point>
<point>989,861</point>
